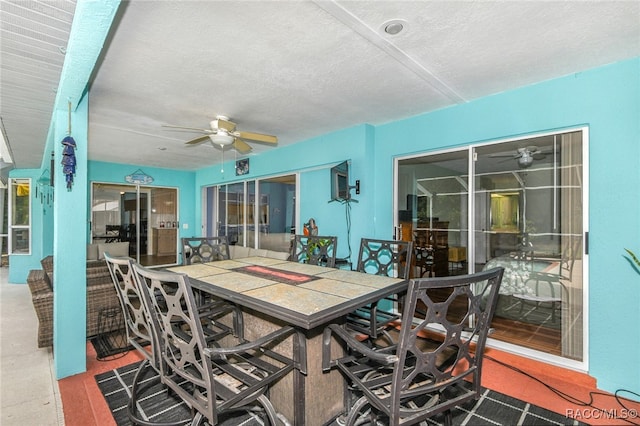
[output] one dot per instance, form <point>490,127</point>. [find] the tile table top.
<point>303,295</point>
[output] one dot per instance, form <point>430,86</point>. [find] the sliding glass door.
<point>259,214</point>
<point>145,219</point>
<point>524,202</point>
<point>433,211</point>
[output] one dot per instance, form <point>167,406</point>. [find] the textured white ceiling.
<point>299,69</point>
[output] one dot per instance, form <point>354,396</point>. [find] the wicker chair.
<point>101,297</point>
<point>418,378</point>
<point>42,299</point>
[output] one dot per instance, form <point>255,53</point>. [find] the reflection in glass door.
<point>533,227</point>
<point>142,219</point>
<point>231,212</point>
<point>258,214</point>
<point>433,212</point>
<point>525,205</point>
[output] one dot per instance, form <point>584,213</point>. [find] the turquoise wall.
<point>312,159</point>
<point>606,99</point>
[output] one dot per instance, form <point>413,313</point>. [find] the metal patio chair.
<point>212,379</point>
<point>418,378</point>
<point>380,257</point>
<point>204,249</point>
<point>138,323</point>
<point>315,250</point>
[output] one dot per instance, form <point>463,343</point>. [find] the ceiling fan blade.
<point>187,128</point>
<point>241,146</point>
<point>227,125</point>
<point>197,140</point>
<point>257,137</point>
<point>504,155</point>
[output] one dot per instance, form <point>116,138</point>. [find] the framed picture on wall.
<point>242,167</point>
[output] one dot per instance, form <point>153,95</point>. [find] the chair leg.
<point>197,419</point>
<point>238,323</point>
<point>131,406</point>
<point>363,414</point>
<point>271,412</point>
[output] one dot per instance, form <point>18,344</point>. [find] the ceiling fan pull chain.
<point>222,164</point>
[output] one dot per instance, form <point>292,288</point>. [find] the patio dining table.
<point>273,293</point>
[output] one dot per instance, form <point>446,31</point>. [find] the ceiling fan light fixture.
<point>221,138</point>
<point>525,160</point>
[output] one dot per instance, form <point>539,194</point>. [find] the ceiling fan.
<point>222,133</point>
<point>524,156</point>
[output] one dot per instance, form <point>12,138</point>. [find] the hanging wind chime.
<point>69,156</point>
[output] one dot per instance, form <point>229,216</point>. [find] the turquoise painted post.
<point>70,249</point>
<point>91,24</point>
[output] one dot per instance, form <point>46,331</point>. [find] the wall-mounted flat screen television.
<point>340,182</point>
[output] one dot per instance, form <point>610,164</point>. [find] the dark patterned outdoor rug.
<point>154,403</point>
<point>493,408</point>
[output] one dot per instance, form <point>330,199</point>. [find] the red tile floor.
<point>564,391</point>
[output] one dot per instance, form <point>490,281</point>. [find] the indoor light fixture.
<point>525,160</point>
<point>221,138</point>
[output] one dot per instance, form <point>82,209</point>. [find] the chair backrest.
<point>139,332</point>
<point>385,257</point>
<point>204,249</point>
<point>210,376</point>
<point>449,303</point>
<point>315,250</point>
<point>175,324</point>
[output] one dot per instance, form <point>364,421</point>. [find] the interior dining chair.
<point>380,257</point>
<point>419,377</point>
<point>212,379</point>
<point>424,261</point>
<point>204,249</point>
<point>315,250</point>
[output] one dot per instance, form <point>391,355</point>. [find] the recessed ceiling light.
<point>394,26</point>
<point>162,149</point>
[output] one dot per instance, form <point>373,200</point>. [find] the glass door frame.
<point>580,365</point>
<point>138,190</point>
<point>14,228</point>
<point>210,196</point>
